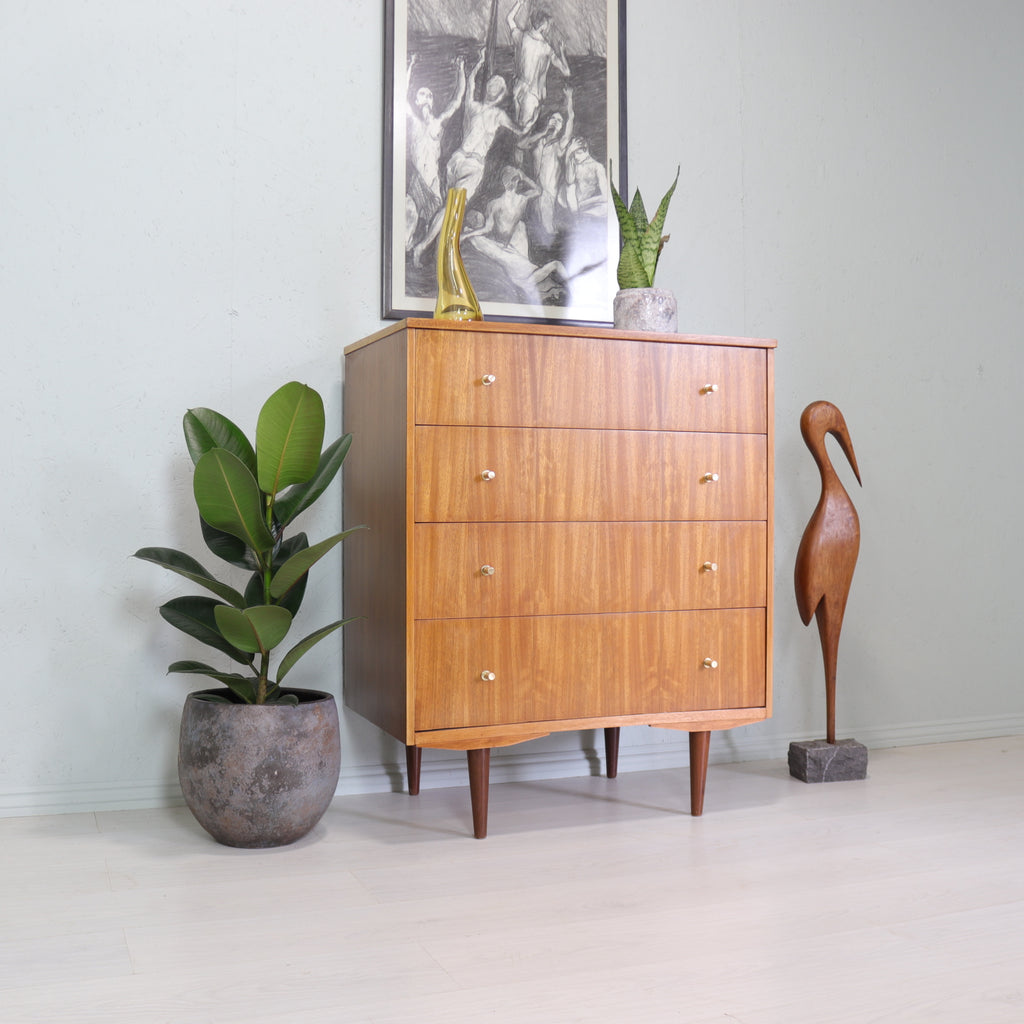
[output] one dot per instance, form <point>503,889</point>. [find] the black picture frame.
<point>479,87</point>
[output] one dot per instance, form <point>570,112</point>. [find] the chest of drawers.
<point>569,529</point>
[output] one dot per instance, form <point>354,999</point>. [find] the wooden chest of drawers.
<point>569,529</point>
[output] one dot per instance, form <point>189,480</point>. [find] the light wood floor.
<point>900,898</point>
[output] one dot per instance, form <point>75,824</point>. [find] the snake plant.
<point>642,241</point>
<point>246,497</point>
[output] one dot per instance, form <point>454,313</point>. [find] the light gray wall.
<point>189,206</point>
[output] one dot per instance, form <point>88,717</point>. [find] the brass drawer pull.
<point>709,567</point>
<point>488,474</point>
<point>486,570</point>
<point>488,379</point>
<point>709,389</point>
<point>710,663</point>
<point>710,478</point>
<point>487,676</point>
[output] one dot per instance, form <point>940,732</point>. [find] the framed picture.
<point>522,104</point>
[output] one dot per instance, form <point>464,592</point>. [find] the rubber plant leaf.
<point>285,698</point>
<point>289,547</point>
<point>206,429</point>
<point>229,499</point>
<point>234,551</point>
<point>304,645</point>
<point>299,564</point>
<point>299,497</point>
<point>245,688</point>
<point>256,630</point>
<point>195,616</point>
<point>289,434</point>
<point>187,566</point>
<point>255,590</point>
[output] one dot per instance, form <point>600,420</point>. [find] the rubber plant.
<point>642,240</point>
<point>246,498</point>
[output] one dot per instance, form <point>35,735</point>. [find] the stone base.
<point>821,761</point>
<point>645,309</point>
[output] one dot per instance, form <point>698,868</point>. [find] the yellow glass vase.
<point>456,299</point>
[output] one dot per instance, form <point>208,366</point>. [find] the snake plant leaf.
<point>206,429</point>
<point>229,499</point>
<point>256,630</point>
<point>300,496</point>
<point>243,686</point>
<point>641,242</point>
<point>304,645</point>
<point>652,240</point>
<point>627,226</point>
<point>195,616</point>
<point>187,566</point>
<point>639,214</point>
<point>289,434</point>
<point>299,564</point>
<point>631,271</point>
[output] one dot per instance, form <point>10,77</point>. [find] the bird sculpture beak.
<point>842,435</point>
<point>820,419</point>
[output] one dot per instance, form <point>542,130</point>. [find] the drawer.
<point>500,569</point>
<point>588,382</point>
<point>547,668</point>
<point>498,474</point>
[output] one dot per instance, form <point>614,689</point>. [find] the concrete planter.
<point>645,309</point>
<point>257,776</point>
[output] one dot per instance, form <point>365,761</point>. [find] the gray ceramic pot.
<point>645,309</point>
<point>259,776</point>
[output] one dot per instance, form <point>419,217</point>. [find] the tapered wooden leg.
<point>611,751</point>
<point>700,744</point>
<point>413,760</point>
<point>479,786</point>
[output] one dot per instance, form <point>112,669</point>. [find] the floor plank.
<point>899,898</point>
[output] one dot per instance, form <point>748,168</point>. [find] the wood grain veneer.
<point>569,528</point>
<point>566,568</point>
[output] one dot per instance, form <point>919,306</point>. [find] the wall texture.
<point>189,200</point>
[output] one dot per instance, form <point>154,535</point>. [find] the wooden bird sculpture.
<point>828,549</point>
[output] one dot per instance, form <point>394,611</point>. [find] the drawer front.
<point>586,382</point>
<point>481,474</point>
<point>555,667</point>
<point>477,570</point>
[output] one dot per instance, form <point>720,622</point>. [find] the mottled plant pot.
<point>259,776</point>
<point>645,309</point>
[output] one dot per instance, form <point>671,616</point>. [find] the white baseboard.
<point>514,764</point>
<point>521,764</point>
<point>86,797</point>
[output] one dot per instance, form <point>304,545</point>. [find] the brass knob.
<point>486,570</point>
<point>710,478</point>
<point>487,677</point>
<point>710,663</point>
<point>488,379</point>
<point>488,474</point>
<point>709,567</point>
<point>709,389</point>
